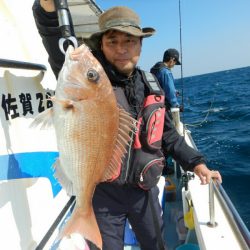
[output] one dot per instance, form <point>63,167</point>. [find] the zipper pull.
<point>141,178</point>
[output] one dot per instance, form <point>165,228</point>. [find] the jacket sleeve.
<point>166,81</point>
<point>175,145</point>
<point>48,28</point>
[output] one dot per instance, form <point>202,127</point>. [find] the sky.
<point>215,34</point>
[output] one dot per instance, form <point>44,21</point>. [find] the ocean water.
<point>217,112</point>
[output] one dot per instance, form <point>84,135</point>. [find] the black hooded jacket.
<point>134,88</point>
<point>157,66</point>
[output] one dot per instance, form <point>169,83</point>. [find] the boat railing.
<point>60,218</point>
<point>7,63</point>
<point>215,189</point>
<point>232,214</point>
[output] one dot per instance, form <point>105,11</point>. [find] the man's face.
<point>121,50</point>
<point>171,63</point>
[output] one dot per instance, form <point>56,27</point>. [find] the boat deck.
<point>175,233</point>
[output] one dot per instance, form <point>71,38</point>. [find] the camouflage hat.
<point>122,19</point>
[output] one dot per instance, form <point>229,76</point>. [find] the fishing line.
<point>197,124</point>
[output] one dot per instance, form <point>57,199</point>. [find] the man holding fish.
<point>112,130</point>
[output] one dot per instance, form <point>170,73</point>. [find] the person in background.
<point>162,70</point>
<point>117,46</point>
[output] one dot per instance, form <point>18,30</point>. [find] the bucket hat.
<point>171,53</point>
<point>122,19</point>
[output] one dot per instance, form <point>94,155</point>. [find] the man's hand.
<point>205,174</point>
<point>48,5</point>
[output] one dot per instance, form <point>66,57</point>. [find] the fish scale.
<point>79,158</point>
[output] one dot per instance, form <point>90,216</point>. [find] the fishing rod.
<point>180,28</point>
<point>182,80</point>
<point>66,25</point>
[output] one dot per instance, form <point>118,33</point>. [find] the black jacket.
<point>173,144</point>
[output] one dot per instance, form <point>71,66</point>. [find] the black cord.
<point>47,236</point>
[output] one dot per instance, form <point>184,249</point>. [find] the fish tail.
<point>85,225</point>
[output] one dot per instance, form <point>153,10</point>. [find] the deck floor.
<point>175,231</point>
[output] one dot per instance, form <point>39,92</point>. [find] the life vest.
<point>145,161</point>
<point>151,118</point>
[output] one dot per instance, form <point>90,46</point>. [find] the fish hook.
<point>72,40</point>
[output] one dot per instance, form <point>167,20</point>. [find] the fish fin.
<point>44,119</point>
<point>65,103</point>
<point>85,224</point>
<point>127,127</point>
<point>63,179</point>
<point>74,242</point>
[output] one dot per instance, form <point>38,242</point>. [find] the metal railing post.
<point>176,119</point>
<point>212,222</point>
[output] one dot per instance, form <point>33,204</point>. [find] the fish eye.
<point>93,75</point>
